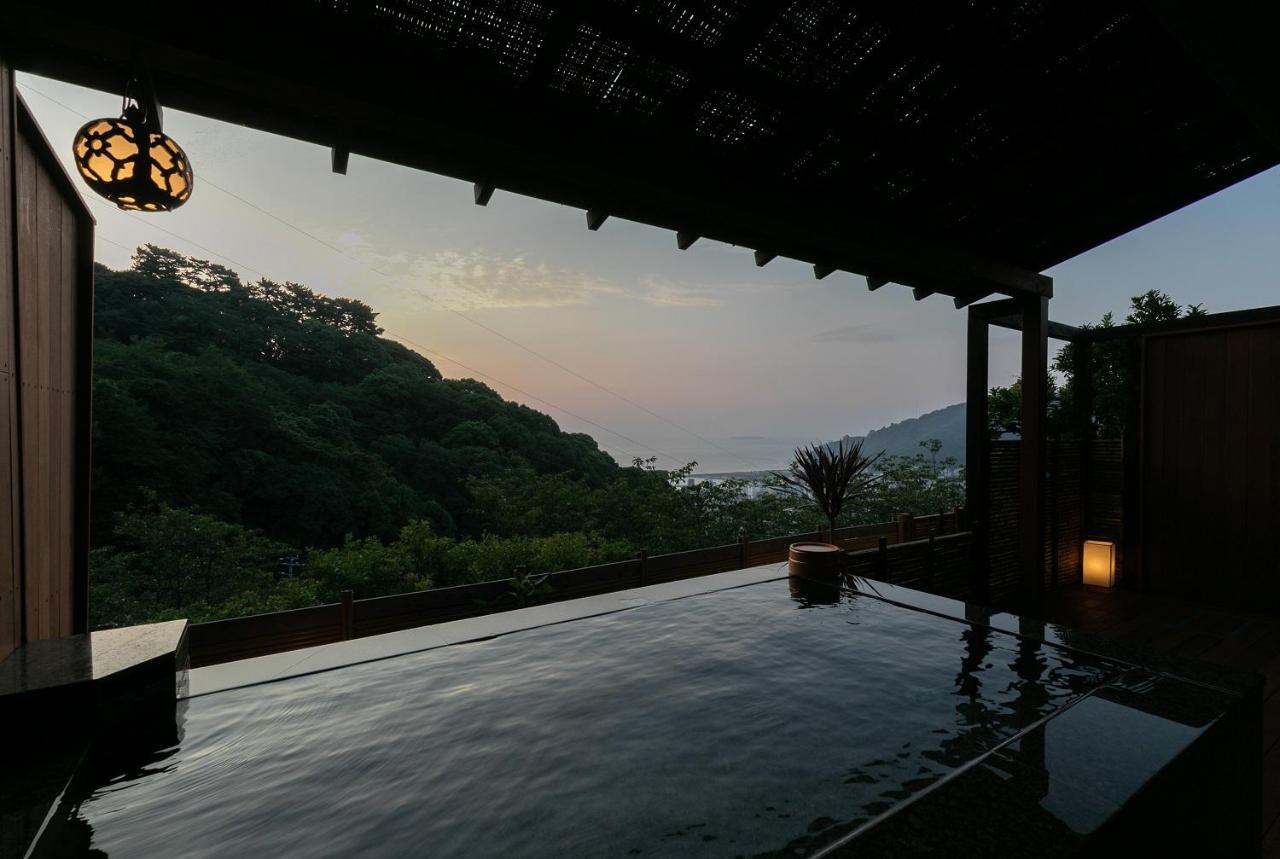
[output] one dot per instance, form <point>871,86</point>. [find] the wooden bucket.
<point>819,561</point>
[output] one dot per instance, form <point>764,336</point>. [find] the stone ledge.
<point>56,696</point>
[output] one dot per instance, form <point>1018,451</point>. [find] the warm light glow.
<point>1100,563</point>
<point>155,179</point>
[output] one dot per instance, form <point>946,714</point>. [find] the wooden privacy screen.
<point>1211,464</point>
<point>46,306</point>
<point>1069,518</point>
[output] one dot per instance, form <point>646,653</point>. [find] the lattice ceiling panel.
<point>956,120</point>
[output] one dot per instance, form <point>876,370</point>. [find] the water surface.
<point>743,722</point>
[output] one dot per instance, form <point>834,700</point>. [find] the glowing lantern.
<point>1100,563</point>
<point>131,162</point>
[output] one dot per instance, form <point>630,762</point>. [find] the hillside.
<point>270,406</point>
<point>903,438</point>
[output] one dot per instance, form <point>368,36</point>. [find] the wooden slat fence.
<point>1066,527</point>
<point>257,635</point>
<point>936,564</point>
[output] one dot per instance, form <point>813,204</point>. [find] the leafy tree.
<point>274,407</point>
<point>922,484</point>
<point>169,561</point>
<point>1111,375</point>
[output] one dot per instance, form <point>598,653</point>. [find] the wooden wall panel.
<point>10,549</point>
<point>1211,465</point>
<point>46,306</point>
<point>47,280</point>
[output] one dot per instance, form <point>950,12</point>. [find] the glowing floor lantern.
<point>1100,563</point>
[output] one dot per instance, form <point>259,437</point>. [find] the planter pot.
<point>818,561</point>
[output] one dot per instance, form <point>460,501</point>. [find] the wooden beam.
<point>449,130</point>
<point>483,193</point>
<point>1031,511</point>
<point>685,239</point>
<point>874,283</point>
<point>920,293</point>
<point>1057,330</point>
<point>977,455</point>
<point>763,258</point>
<point>989,310</point>
<point>965,299</point>
<point>820,271</point>
<point>595,219</point>
<point>339,157</point>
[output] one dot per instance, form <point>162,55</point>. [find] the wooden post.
<point>744,543</point>
<point>347,614</point>
<point>882,558</point>
<point>1133,573</point>
<point>906,527</point>
<point>1035,373</point>
<point>1082,353</point>
<point>928,565</point>
<point>643,557</point>
<point>977,453</point>
<point>1053,506</point>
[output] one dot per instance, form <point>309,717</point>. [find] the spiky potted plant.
<point>829,476</point>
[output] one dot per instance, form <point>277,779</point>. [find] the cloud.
<point>865,333</point>
<point>477,279</point>
<point>664,293</point>
<point>474,280</point>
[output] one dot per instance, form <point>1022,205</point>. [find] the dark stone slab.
<point>1160,761</point>
<point>1194,671</point>
<point>1148,765</point>
<point>96,656</point>
<point>119,686</point>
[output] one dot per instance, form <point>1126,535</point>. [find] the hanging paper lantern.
<point>131,162</point>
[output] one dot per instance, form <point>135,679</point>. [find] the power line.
<point>47,97</point>
<point>100,237</point>
<point>562,367</point>
<point>191,242</point>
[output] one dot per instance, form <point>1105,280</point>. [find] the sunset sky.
<point>694,355</point>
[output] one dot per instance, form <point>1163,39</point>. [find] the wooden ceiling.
<point>956,148</point>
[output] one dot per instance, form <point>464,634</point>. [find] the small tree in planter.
<point>829,476</point>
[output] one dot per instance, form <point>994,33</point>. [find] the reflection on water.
<point>808,593</point>
<point>719,725</point>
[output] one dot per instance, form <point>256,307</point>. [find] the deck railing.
<point>928,552</point>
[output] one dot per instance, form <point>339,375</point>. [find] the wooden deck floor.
<point>1189,630</point>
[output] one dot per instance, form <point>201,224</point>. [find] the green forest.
<point>259,446</point>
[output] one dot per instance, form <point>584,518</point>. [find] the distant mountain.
<point>899,439</point>
<point>903,438</point>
